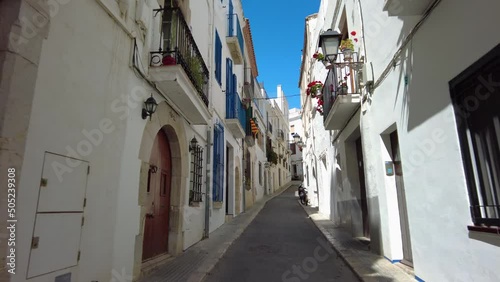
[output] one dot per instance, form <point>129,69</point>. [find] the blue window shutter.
<point>218,166</point>
<point>229,76</point>
<point>230,19</point>
<point>218,58</point>
<point>235,84</point>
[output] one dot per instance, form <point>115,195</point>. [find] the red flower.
<point>353,33</point>
<point>355,39</point>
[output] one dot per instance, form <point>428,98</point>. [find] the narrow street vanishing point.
<point>281,244</point>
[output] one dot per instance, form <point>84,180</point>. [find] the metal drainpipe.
<point>207,183</point>
<point>209,133</point>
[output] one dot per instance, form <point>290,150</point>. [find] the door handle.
<point>150,215</point>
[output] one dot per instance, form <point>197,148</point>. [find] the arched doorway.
<point>156,226</point>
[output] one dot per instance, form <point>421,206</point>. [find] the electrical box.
<point>389,168</point>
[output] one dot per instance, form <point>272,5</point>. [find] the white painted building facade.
<point>279,121</point>
<point>87,164</point>
<point>397,169</point>
<point>296,144</point>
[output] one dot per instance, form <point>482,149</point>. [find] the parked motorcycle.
<point>303,195</point>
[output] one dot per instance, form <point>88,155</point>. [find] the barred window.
<point>476,100</point>
<point>195,194</point>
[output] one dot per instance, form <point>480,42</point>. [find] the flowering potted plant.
<point>347,46</point>
<point>343,88</point>
<point>314,88</point>
<point>318,56</point>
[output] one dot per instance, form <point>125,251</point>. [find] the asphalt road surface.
<point>281,244</point>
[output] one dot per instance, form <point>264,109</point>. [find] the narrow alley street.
<point>281,244</point>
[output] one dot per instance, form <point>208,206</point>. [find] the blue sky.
<point>278,36</point>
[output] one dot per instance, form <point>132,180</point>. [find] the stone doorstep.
<point>361,262</point>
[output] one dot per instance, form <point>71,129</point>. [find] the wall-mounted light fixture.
<point>193,144</point>
<point>149,107</point>
<point>329,41</point>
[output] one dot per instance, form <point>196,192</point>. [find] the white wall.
<point>436,191</point>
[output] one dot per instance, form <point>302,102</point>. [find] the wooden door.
<point>362,189</point>
<point>156,225</point>
<point>403,211</point>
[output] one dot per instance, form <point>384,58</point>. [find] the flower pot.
<point>343,90</point>
<point>168,60</point>
<point>347,54</point>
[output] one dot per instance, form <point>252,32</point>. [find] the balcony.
<point>341,92</point>
<point>406,7</point>
<point>178,69</point>
<point>251,127</point>
<point>234,39</point>
<point>236,117</point>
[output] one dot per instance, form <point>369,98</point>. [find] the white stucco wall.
<point>423,116</point>
<point>437,198</point>
<point>88,100</point>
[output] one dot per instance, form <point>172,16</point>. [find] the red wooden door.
<point>156,225</point>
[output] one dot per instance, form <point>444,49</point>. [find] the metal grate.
<point>195,195</point>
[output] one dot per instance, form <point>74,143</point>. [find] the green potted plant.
<point>318,56</point>
<point>343,88</point>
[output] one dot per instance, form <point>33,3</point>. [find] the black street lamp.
<point>329,41</point>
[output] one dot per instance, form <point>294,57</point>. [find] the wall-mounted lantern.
<point>329,41</point>
<point>149,107</point>
<point>193,144</point>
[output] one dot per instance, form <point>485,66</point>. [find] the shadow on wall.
<point>345,200</point>
<point>491,239</point>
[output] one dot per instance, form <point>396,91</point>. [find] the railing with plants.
<point>178,47</point>
<point>271,155</point>
<point>235,109</point>
<point>234,30</point>
<point>343,79</point>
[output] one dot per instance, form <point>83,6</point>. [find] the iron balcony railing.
<point>343,79</point>
<point>234,30</point>
<point>249,122</point>
<point>178,47</point>
<point>235,109</point>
